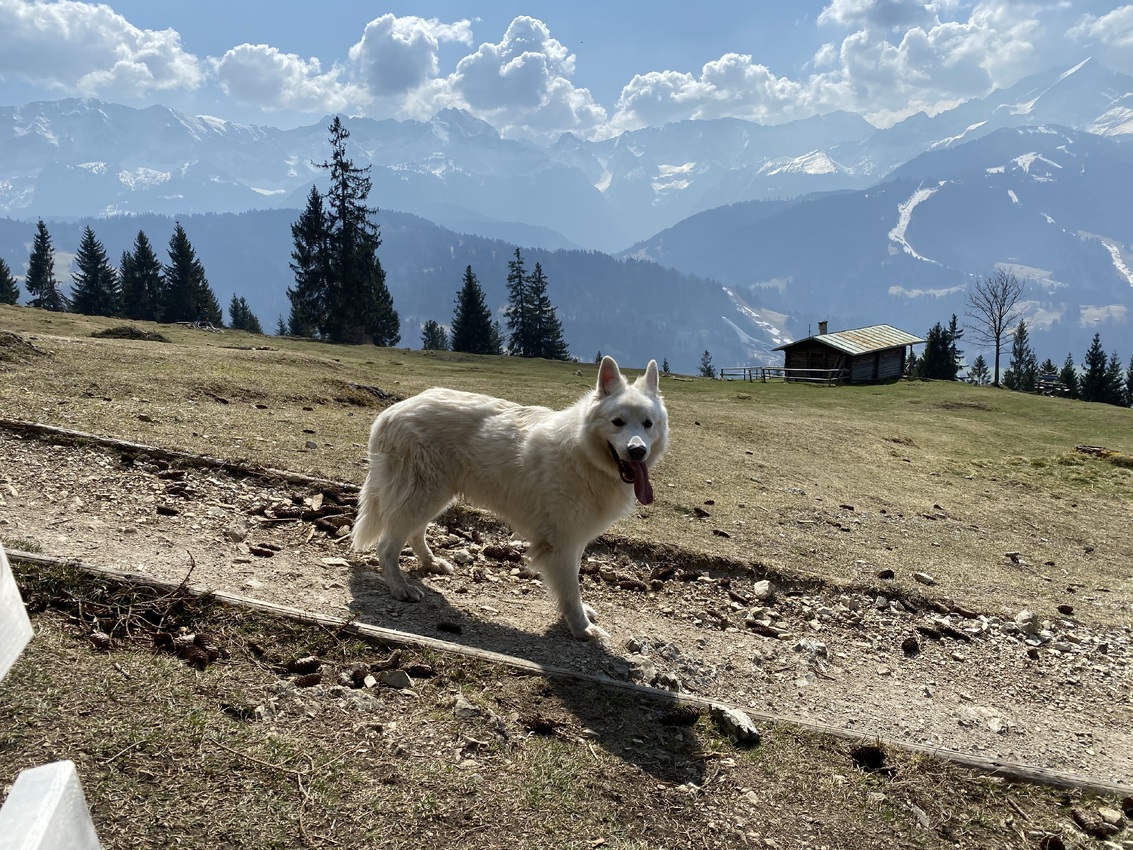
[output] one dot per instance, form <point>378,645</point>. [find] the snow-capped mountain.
<point>85,157</point>
<point>1048,203</point>
<point>825,218</point>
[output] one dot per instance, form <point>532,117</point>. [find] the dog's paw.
<point>439,566</point>
<point>405,592</point>
<point>597,635</point>
<point>591,614</point>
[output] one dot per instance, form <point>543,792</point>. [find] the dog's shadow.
<point>651,730</point>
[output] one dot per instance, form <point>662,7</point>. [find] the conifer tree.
<point>1068,376</point>
<point>1092,384</point>
<point>95,290</point>
<point>520,310</point>
<point>707,370</point>
<point>1129,384</point>
<point>1114,381</point>
<point>665,366</point>
<point>143,282</point>
<point>310,265</point>
<point>955,353</point>
<point>241,317</point>
<point>472,320</point>
<point>9,289</point>
<point>434,337</point>
<point>937,362</point>
<point>1024,365</point>
<point>40,279</point>
<point>547,331</point>
<point>188,296</point>
<point>358,305</point>
<point>981,375</point>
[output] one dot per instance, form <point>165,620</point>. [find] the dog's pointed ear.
<point>610,378</point>
<point>650,378</point>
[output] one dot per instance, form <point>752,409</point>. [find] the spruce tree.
<point>358,305</point>
<point>547,330</point>
<point>95,290</point>
<point>309,263</point>
<point>981,375</point>
<point>241,317</point>
<point>472,320</point>
<point>1114,381</point>
<point>9,289</point>
<point>434,337</point>
<point>40,279</point>
<point>937,362</point>
<point>1068,376</point>
<point>520,310</point>
<point>1129,384</point>
<point>707,370</point>
<point>188,296</point>
<point>1092,384</point>
<point>143,282</point>
<point>955,353</point>
<point>1024,365</point>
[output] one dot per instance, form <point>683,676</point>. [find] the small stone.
<point>1112,817</point>
<point>735,724</point>
<point>1066,610</point>
<point>924,578</point>
<point>310,445</point>
<point>763,590</point>
<point>398,679</point>
<point>237,531</point>
<point>885,575</point>
<point>463,557</point>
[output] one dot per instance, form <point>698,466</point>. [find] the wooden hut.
<point>862,355</point>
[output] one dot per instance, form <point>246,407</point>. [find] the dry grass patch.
<point>237,754</point>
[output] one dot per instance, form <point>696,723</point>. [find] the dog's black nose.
<point>637,452</point>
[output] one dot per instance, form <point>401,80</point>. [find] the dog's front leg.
<point>559,569</point>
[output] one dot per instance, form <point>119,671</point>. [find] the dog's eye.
<point>618,423</point>
<point>648,423</point>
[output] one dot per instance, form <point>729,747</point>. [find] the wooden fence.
<point>45,809</point>
<point>765,373</point>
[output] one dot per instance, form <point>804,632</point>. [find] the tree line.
<point>994,306</point>
<point>140,287</point>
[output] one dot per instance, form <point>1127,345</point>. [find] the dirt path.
<point>1051,691</point>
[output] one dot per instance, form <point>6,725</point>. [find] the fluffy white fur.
<point>559,478</point>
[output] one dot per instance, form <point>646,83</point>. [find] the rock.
<point>1091,823</point>
<point>763,590</point>
<point>466,710</point>
<point>813,648</point>
<point>1027,621</point>
<point>885,575</point>
<point>910,646</point>
<point>398,679</point>
<point>1112,816</point>
<point>735,724</point>
<point>237,531</point>
<point>1066,610</point>
<point>881,603</point>
<point>310,445</point>
<point>924,578</point>
<point>463,557</point>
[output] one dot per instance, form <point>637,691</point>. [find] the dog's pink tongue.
<point>641,486</point>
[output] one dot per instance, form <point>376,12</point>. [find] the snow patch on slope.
<point>904,216</point>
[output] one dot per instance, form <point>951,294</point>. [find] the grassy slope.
<point>831,482</point>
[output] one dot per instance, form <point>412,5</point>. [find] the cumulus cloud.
<point>263,76</point>
<point>520,84</point>
<point>1113,29</point>
<point>396,55</point>
<point>889,59</point>
<point>89,49</point>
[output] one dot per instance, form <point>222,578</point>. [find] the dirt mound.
<point>130,332</point>
<point>15,349</point>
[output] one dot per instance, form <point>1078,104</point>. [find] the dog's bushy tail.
<point>368,524</point>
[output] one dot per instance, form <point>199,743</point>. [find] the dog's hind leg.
<point>429,562</point>
<point>559,569</point>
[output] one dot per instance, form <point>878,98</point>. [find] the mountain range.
<point>826,218</point>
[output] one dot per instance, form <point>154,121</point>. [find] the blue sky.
<point>540,68</point>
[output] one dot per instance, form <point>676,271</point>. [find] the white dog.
<point>560,478</point>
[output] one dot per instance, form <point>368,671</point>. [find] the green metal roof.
<point>862,340</point>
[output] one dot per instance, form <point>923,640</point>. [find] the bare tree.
<point>994,305</point>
